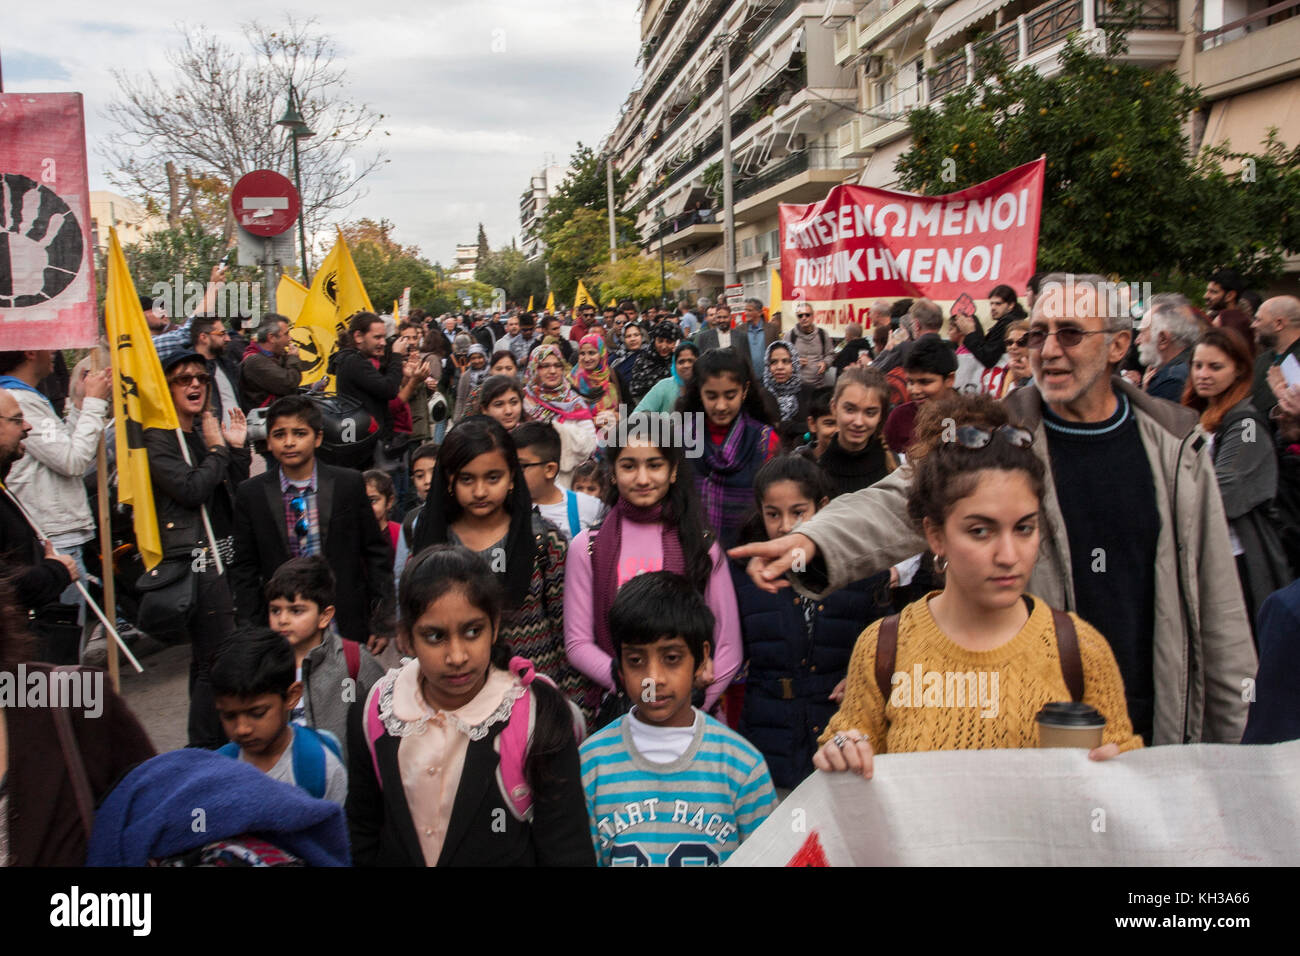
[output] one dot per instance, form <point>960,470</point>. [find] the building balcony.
<point>846,41</point>
<point>1250,51</point>
<point>880,17</point>
<point>801,177</point>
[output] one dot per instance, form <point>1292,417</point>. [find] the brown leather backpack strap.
<point>1067,646</point>
<point>76,766</point>
<point>886,655</point>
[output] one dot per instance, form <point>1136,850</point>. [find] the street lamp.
<point>298,129</point>
<point>663,280</point>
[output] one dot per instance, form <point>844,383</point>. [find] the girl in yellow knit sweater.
<point>976,661</point>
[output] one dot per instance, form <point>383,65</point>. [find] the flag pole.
<point>99,613</point>
<point>203,509</point>
<point>106,535</point>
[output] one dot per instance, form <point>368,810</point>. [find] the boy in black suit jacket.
<point>303,507</point>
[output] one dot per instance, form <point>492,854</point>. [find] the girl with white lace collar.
<point>432,770</point>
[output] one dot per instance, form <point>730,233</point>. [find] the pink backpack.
<point>513,741</point>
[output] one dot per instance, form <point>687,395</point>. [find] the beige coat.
<point>1204,659</point>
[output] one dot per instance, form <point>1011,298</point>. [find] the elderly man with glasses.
<point>814,345</point>
<point>1138,541</point>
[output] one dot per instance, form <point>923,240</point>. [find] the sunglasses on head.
<point>972,436</point>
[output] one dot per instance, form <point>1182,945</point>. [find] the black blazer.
<point>382,833</point>
<point>357,551</point>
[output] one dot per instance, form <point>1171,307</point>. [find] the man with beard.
<point>1277,330</point>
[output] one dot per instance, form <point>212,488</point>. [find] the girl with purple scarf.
<point>654,524</point>
<point>737,418</point>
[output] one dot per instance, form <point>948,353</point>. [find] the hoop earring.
<point>938,569</point>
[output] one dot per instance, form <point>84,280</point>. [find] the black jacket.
<point>230,369</point>
<point>38,580</point>
<point>351,543</point>
<point>179,489</point>
<point>482,830</point>
<point>356,375</point>
<point>989,346</point>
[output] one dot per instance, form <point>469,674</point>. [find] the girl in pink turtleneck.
<point>655,523</point>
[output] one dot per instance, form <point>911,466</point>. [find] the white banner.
<point>1201,805</point>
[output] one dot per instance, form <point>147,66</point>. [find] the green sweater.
<point>661,398</point>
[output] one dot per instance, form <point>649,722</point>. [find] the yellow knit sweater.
<point>945,697</point>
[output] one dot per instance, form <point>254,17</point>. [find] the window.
<point>747,248</point>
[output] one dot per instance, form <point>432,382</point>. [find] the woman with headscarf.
<point>591,377</point>
<point>663,397</point>
<point>624,357</point>
<point>654,363</point>
<point>781,378</point>
<point>548,397</point>
<point>476,372</point>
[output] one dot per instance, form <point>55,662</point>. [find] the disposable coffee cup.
<point>1070,724</point>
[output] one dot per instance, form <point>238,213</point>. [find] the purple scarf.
<point>724,475</point>
<point>605,549</point>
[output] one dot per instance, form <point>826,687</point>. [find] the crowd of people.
<point>603,588</point>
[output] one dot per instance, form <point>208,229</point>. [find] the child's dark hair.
<point>657,605</point>
<point>819,403</point>
<point>295,406</point>
<point>541,437</point>
<point>252,662</point>
<point>382,481</point>
<point>495,386</point>
<point>681,505</point>
<point>594,470</point>
<point>429,449</point>
<point>309,578</point>
<point>442,569</point>
<point>472,436</point>
<point>500,354</point>
<point>945,471</point>
<point>931,354</point>
<point>758,404</point>
<point>809,477</point>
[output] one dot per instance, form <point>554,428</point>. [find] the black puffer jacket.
<point>356,375</point>
<point>791,674</point>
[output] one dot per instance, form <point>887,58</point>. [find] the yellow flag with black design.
<point>336,294</point>
<point>582,297</point>
<point>550,302</point>
<point>141,399</point>
<point>290,294</point>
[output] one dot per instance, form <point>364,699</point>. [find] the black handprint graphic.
<point>40,243</point>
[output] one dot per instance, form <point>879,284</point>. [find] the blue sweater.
<point>1275,713</point>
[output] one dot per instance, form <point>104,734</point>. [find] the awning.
<point>765,69</point>
<point>879,171</point>
<point>959,16</point>
<point>709,262</point>
<point>1242,121</point>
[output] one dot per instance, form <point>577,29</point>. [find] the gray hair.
<point>1172,313</point>
<point>269,326</point>
<point>927,315</point>
<point>880,309</point>
<point>1058,286</point>
<point>757,303</point>
<point>705,302</point>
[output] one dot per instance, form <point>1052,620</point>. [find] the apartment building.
<point>789,97</point>
<point>466,261</point>
<point>542,185</point>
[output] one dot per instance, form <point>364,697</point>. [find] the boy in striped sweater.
<point>666,784</point>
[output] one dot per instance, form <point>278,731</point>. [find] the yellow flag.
<point>397,312</point>
<point>613,304</point>
<point>582,297</point>
<point>141,399</point>
<point>530,303</point>
<point>336,293</point>
<point>774,296</point>
<point>290,294</point>
<point>550,302</point>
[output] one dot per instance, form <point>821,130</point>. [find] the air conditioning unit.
<point>874,66</point>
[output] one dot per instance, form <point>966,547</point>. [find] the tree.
<point>386,267</point>
<point>483,249</point>
<point>636,276</point>
<point>508,269</point>
<point>182,141</point>
<point>582,192</point>
<point>1123,193</point>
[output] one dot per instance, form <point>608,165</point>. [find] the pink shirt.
<point>643,551</point>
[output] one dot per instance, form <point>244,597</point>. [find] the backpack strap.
<point>886,655</point>
<point>575,523</point>
<point>1067,646</point>
<point>373,727</point>
<point>76,766</point>
<point>513,744</point>
<point>308,761</point>
<point>352,655</point>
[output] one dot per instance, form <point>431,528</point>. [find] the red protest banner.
<point>47,275</point>
<point>861,243</point>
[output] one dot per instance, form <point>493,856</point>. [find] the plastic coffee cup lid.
<point>1070,714</point>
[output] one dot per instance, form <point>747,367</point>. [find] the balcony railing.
<point>949,75</point>
<point>1006,40</point>
<point>685,220</point>
<point>792,165</point>
<point>1258,20</point>
<point>1053,22</point>
<point>894,108</point>
<point>1154,14</point>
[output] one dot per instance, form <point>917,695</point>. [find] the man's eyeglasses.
<point>200,378</point>
<point>803,315</point>
<point>1067,338</point>
<point>16,419</point>
<point>972,436</point>
<point>301,526</point>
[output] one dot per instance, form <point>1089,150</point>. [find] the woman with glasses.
<point>976,495</point>
<point>1002,380</point>
<point>1219,386</point>
<point>548,397</point>
<point>194,495</point>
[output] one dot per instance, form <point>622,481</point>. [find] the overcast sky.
<point>468,125</point>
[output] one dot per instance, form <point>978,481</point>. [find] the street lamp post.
<point>663,279</point>
<point>298,129</point>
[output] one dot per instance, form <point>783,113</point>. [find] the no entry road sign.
<point>265,203</point>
